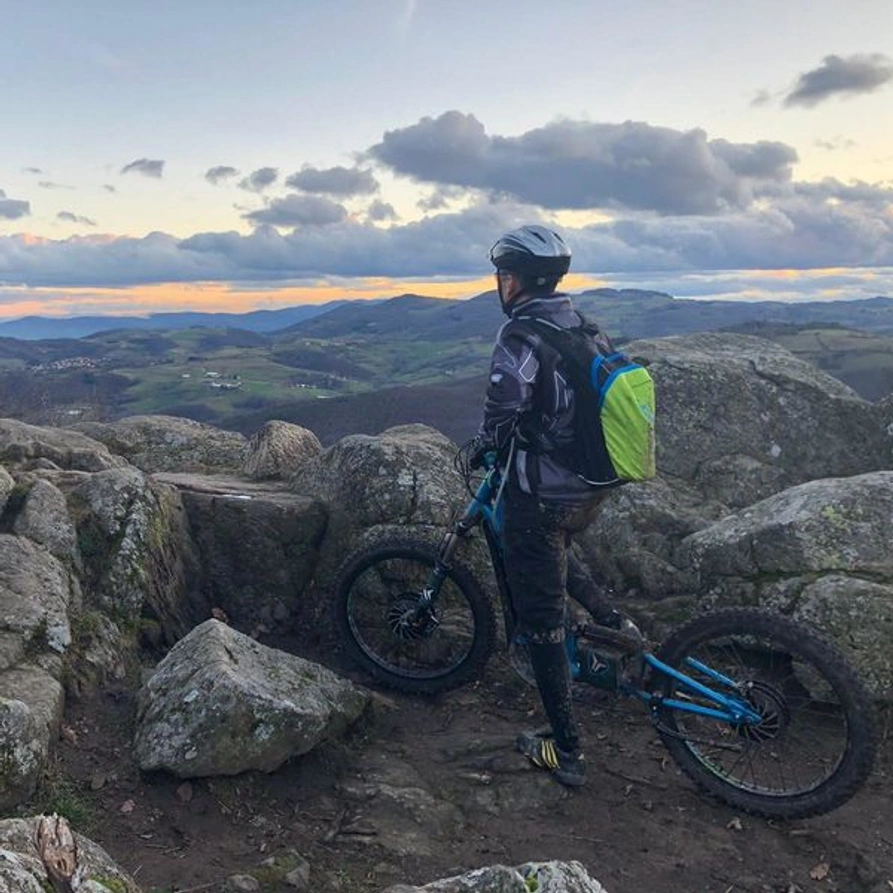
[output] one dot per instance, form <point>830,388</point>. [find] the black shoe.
<point>541,750</point>
<point>616,630</point>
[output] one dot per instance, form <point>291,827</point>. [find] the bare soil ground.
<point>430,787</point>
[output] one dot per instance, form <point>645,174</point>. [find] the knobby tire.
<point>379,584</point>
<point>818,743</point>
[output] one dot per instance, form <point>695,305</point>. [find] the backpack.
<point>614,405</point>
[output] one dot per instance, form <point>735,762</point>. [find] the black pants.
<point>537,538</point>
<point>539,567</point>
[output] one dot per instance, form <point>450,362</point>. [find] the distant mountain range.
<point>359,366</point>
<point>626,313</point>
<point>32,328</point>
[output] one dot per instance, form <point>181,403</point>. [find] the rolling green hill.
<point>361,364</point>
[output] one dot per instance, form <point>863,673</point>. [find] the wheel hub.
<point>772,707</point>
<point>408,622</point>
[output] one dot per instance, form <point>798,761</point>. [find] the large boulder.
<point>221,704</point>
<point>168,443</point>
<point>401,483</point>
<point>632,541</point>
<point>278,450</point>
<point>138,556</point>
<point>30,715</point>
<point>7,484</point>
<point>741,418</point>
<point>28,446</point>
<point>32,847</point>
<point>36,593</point>
<point>543,877</point>
<point>43,518</point>
<point>257,546</point>
<point>820,551</point>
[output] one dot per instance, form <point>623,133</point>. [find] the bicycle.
<point>756,708</point>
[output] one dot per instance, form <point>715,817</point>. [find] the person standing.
<point>529,421</point>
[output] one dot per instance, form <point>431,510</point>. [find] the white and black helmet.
<point>532,251</point>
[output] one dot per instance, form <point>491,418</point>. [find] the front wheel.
<point>814,744</point>
<point>382,615</point>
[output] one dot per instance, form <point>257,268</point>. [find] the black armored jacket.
<point>530,402</point>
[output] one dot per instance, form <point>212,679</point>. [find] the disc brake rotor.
<point>407,621</point>
<point>773,709</point>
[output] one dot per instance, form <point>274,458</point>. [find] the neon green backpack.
<point>614,405</point>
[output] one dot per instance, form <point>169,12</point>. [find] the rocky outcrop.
<point>31,704</point>
<point>257,547</point>
<point>29,446</point>
<point>400,482</point>
<point>819,551</point>
<point>32,850</point>
<point>278,449</point>
<point>136,548</point>
<point>221,704</point>
<point>543,877</point>
<point>741,418</point>
<point>168,443</point>
<point>44,519</point>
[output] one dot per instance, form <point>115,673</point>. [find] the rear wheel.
<point>814,744</point>
<point>386,627</point>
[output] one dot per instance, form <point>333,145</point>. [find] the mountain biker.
<point>528,419</point>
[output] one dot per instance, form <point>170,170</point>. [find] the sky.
<point>231,156</point>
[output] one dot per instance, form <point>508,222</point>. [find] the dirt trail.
<point>431,787</point>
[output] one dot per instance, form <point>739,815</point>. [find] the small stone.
<point>185,792</point>
<point>97,781</point>
<point>299,876</point>
<point>128,806</point>
<point>735,825</point>
<point>242,883</point>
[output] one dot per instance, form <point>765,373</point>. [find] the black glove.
<point>477,457</point>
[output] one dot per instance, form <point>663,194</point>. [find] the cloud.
<point>440,198</point>
<point>69,217</point>
<point>32,170</point>
<point>109,188</point>
<point>13,209</point>
<point>841,76</point>
<point>222,172</point>
<point>340,181</point>
<point>835,144</point>
<point>49,184</point>
<point>259,180</point>
<point>299,210</point>
<point>583,165</point>
<point>145,166</point>
<point>380,210</point>
<point>804,228</point>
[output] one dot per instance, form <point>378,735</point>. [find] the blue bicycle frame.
<point>485,508</point>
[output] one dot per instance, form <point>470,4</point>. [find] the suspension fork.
<point>479,509</point>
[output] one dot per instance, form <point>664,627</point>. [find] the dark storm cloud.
<point>299,210</point>
<point>222,172</point>
<point>259,180</point>
<point>582,165</point>
<point>340,181</point>
<point>13,209</point>
<point>146,166</point>
<point>841,76</point>
<point>69,217</point>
